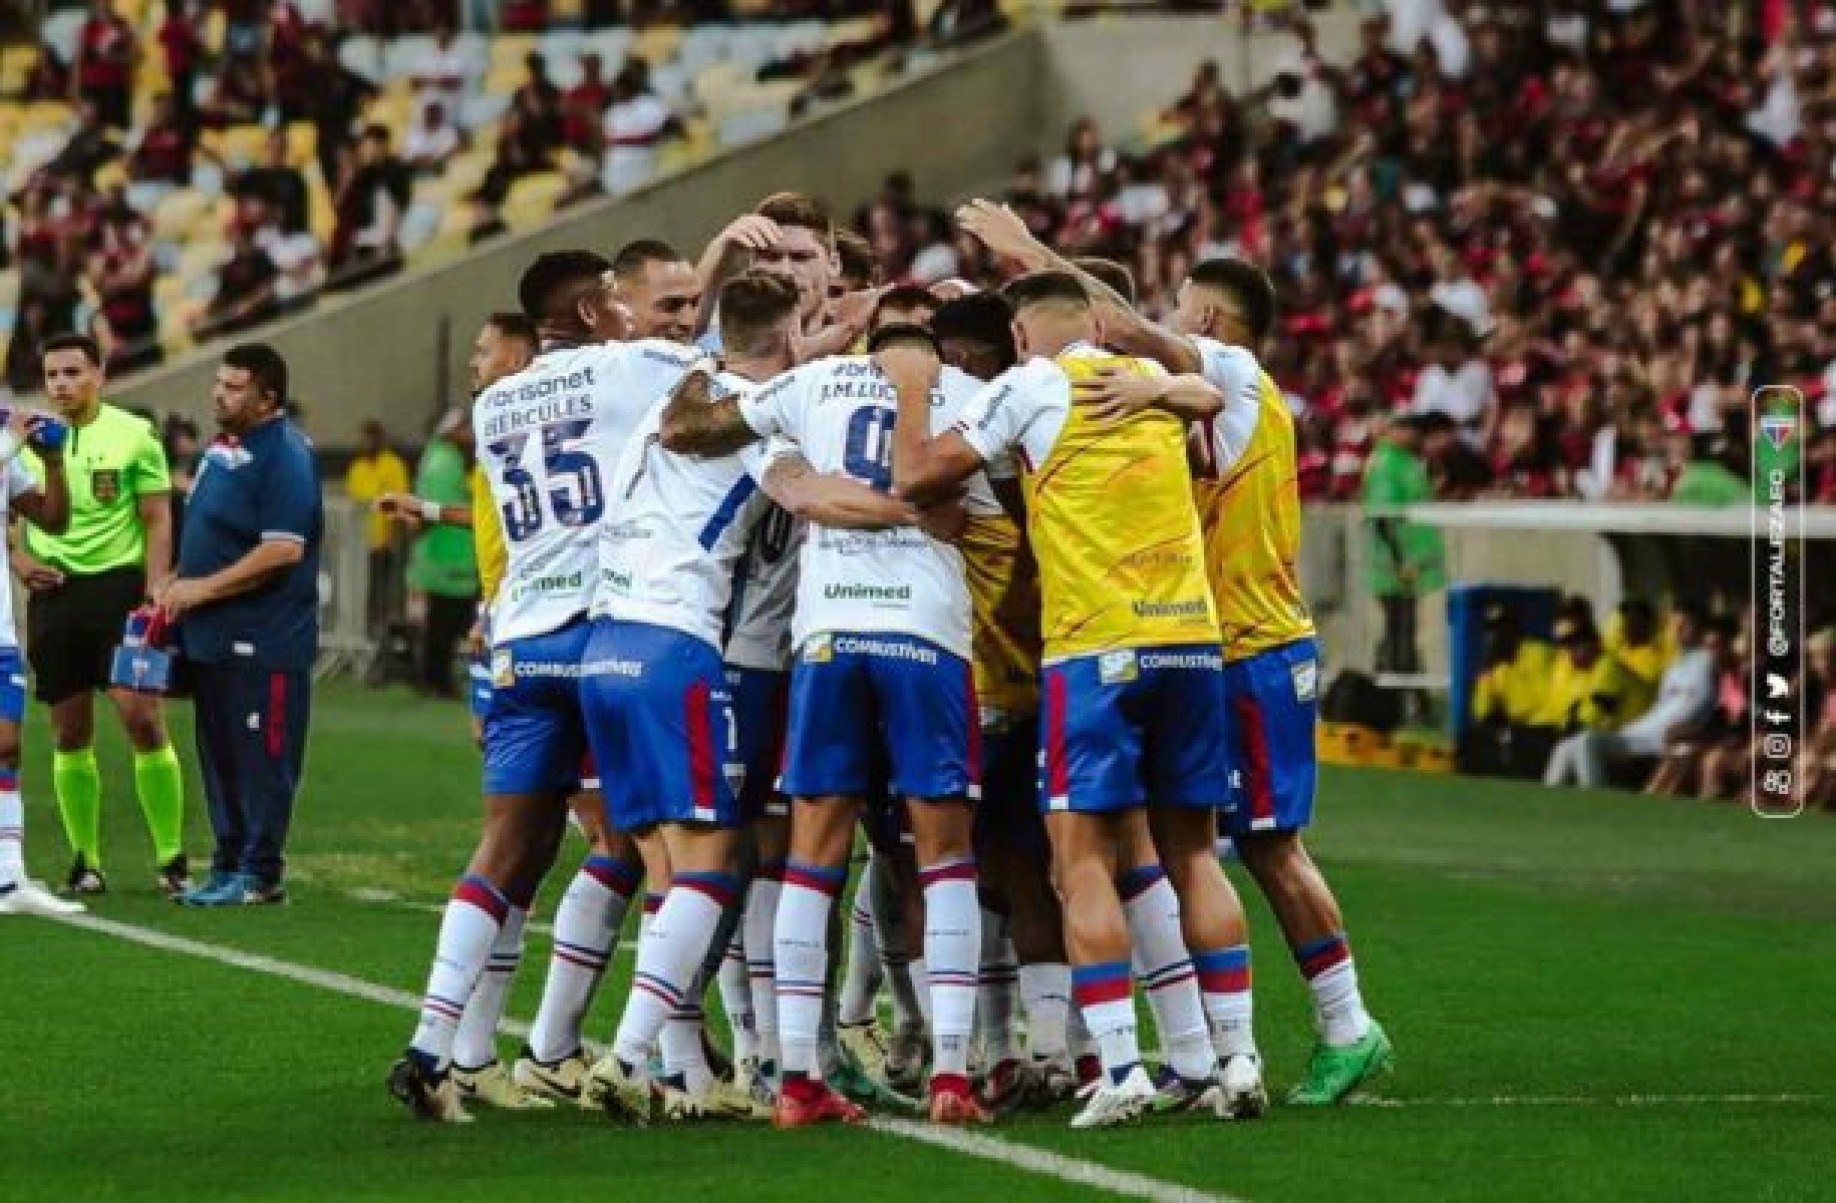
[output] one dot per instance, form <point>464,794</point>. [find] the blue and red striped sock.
<point>467,931</point>
<point>1104,993</point>
<point>1332,976</point>
<point>1224,983</point>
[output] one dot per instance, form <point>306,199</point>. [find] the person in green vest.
<point>442,565</point>
<point>83,584</point>
<point>1404,560</point>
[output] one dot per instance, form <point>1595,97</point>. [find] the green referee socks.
<point>79,800</point>
<point>162,799</point>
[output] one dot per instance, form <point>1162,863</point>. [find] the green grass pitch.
<point>1592,996</point>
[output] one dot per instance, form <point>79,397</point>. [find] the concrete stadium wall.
<point>1332,569</point>
<point>398,351</point>
<point>1119,69</point>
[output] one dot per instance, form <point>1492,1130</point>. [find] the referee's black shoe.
<point>84,878</point>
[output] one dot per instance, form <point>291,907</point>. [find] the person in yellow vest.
<point>1250,504</point>
<point>375,472</point>
<point>1507,696</point>
<point>1635,639</point>
<point>1133,748</point>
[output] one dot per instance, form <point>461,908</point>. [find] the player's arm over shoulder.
<point>826,498</point>
<point>989,425</point>
<point>694,422</point>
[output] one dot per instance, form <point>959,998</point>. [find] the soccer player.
<point>654,684</point>
<point>84,582</point>
<point>1250,505</point>
<point>974,335</point>
<point>660,288</point>
<point>548,437</point>
<point>44,503</point>
<point>1133,742</point>
<point>791,235</point>
<point>882,631</point>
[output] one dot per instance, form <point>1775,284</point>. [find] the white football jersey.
<point>549,438</point>
<point>840,412</point>
<point>678,528</point>
<point>765,595</point>
<point>16,480</point>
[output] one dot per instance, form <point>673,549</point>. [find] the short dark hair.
<point>906,296</point>
<point>265,364</point>
<point>752,304</point>
<point>1246,284</point>
<point>639,252</point>
<point>899,333</point>
<point>856,254</point>
<point>72,342</point>
<point>983,318</point>
<point>1114,274</point>
<point>515,326</point>
<point>1049,287</point>
<point>540,292</point>
<point>798,209</point>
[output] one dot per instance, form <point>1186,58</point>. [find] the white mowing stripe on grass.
<point>969,1144</point>
<point>1048,1164</point>
<point>389,898</point>
<point>1624,1100</point>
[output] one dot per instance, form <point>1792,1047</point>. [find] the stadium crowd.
<point>182,173</point>
<point>1509,217</point>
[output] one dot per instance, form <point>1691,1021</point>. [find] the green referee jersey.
<point>112,462</point>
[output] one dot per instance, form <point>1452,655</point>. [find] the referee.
<point>246,600</point>
<point>83,584</point>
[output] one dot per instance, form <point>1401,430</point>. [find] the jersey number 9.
<point>867,455</point>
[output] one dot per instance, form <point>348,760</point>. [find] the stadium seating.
<point>705,73</point>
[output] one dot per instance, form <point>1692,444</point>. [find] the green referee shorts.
<point>72,631</point>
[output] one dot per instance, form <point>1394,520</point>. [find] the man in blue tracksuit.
<point>246,602</point>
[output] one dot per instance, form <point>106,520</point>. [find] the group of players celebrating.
<point>1005,578</point>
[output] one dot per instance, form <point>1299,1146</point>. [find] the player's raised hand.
<point>1001,230</point>
<point>752,232</point>
<point>854,310</point>
<point>1113,394</point>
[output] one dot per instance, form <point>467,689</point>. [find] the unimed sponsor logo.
<point>868,593</point>
<point>571,582</point>
<point>1195,608</point>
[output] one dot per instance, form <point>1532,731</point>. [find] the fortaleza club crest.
<point>105,484</point>
<point>1778,429</point>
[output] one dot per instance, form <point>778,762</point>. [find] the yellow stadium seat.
<point>657,44</point>
<point>509,50</point>
<point>302,144</point>
<point>178,214</point>
<point>39,114</point>
<point>243,145</point>
<point>15,64</point>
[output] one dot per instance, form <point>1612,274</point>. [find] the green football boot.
<point>1335,1072</point>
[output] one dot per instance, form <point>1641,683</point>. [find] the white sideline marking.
<point>987,1148</point>
<point>1048,1164</point>
<point>1624,1100</point>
